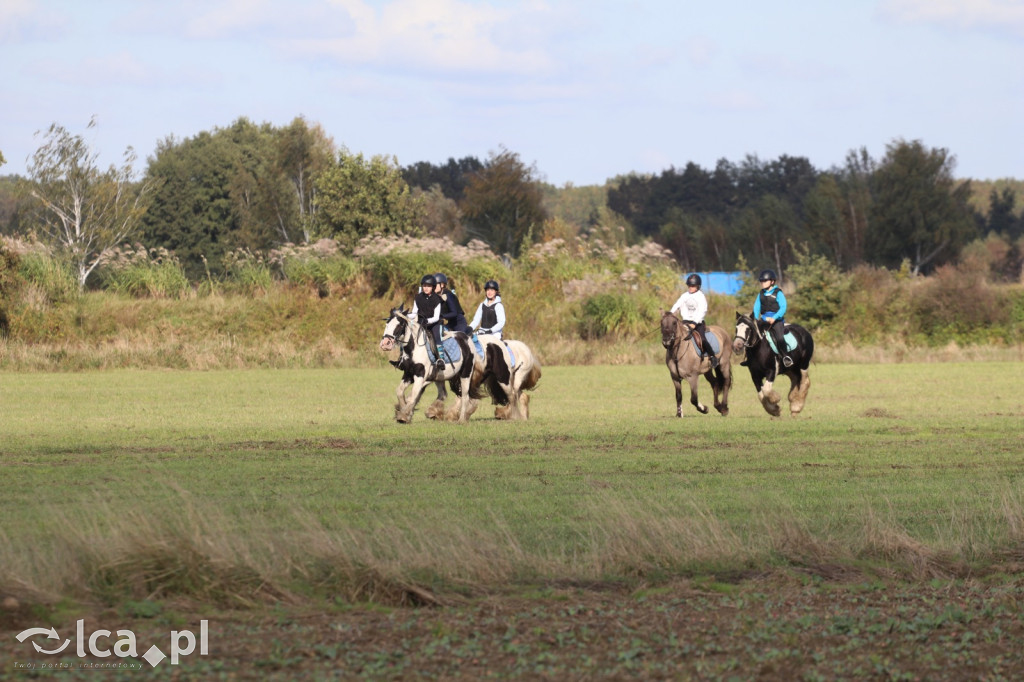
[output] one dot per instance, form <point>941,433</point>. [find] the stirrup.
<point>787,361</point>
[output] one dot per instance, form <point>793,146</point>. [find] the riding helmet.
<point>693,281</point>
<point>491,284</point>
<point>767,275</point>
<point>440,278</point>
<point>428,281</point>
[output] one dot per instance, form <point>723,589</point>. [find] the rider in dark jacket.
<point>427,308</point>
<point>451,310</point>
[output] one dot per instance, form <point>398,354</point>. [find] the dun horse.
<point>685,362</point>
<point>411,337</point>
<point>510,369</point>
<point>765,367</point>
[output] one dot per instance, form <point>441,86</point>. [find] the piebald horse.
<point>765,367</point>
<point>510,369</point>
<point>684,362</point>
<point>411,337</point>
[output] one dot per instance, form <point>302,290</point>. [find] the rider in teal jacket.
<point>770,306</point>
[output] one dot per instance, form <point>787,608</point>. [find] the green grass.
<point>913,467</point>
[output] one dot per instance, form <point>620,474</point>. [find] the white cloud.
<point>991,16</point>
<point>783,67</point>
<point>433,35</point>
<point>734,100</point>
<point>22,20</point>
<point>701,51</point>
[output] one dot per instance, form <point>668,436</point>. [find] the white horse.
<point>412,338</point>
<point>510,369</point>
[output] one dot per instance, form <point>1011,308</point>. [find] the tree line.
<point>255,186</point>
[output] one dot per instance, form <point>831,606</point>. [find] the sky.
<point>582,90</point>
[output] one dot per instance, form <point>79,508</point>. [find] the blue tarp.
<point>727,283</point>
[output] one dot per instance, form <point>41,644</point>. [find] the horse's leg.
<point>764,390</point>
<point>798,391</point>
<point>436,409</point>
<point>679,395</point>
<point>724,371</point>
<point>714,377</point>
<point>404,414</point>
<point>400,393</point>
<point>693,380</point>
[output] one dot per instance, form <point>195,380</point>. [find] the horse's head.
<point>396,329</point>
<point>746,333</point>
<point>672,329</point>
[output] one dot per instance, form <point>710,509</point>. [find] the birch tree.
<point>87,211</point>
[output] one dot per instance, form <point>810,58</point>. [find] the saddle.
<point>480,349</point>
<point>449,350</point>
<point>787,336</point>
<point>715,348</point>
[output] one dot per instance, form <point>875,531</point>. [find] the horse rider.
<point>427,308</point>
<point>490,315</point>
<point>770,306</point>
<point>693,306</point>
<point>452,315</point>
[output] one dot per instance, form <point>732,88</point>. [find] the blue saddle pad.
<point>450,351</point>
<point>712,341</point>
<point>788,337</point>
<point>480,350</point>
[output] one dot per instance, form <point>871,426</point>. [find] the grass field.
<point>295,489</point>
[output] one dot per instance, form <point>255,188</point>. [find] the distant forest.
<point>254,187</point>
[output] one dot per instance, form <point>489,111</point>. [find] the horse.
<point>510,369</point>
<point>684,362</point>
<point>411,337</point>
<point>765,367</point>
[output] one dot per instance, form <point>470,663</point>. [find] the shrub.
<point>143,273</point>
<point>396,264</point>
<point>52,278</point>
<point>320,266</point>
<point>821,288</point>
<point>247,271</point>
<point>621,313</point>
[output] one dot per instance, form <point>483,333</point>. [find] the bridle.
<point>749,339</point>
<point>675,328</point>
<point>401,337</point>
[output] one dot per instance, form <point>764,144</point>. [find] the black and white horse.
<point>765,366</point>
<point>510,369</point>
<point>407,333</point>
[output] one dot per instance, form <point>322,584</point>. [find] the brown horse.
<point>685,362</point>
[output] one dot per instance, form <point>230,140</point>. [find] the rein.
<point>750,340</point>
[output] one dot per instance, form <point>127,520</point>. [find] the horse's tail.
<point>497,373</point>
<point>532,377</point>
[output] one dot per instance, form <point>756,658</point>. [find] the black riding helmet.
<point>693,281</point>
<point>440,278</point>
<point>428,281</point>
<point>491,284</point>
<point>767,275</point>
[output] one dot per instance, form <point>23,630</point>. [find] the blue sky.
<point>583,89</point>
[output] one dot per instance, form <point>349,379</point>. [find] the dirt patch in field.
<point>770,629</point>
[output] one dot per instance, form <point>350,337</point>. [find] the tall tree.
<point>919,212</point>
<point>504,203</point>
<point>1001,217</point>
<point>87,211</point>
<point>826,223</point>
<point>357,197</point>
<point>452,178</point>
<point>304,151</point>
